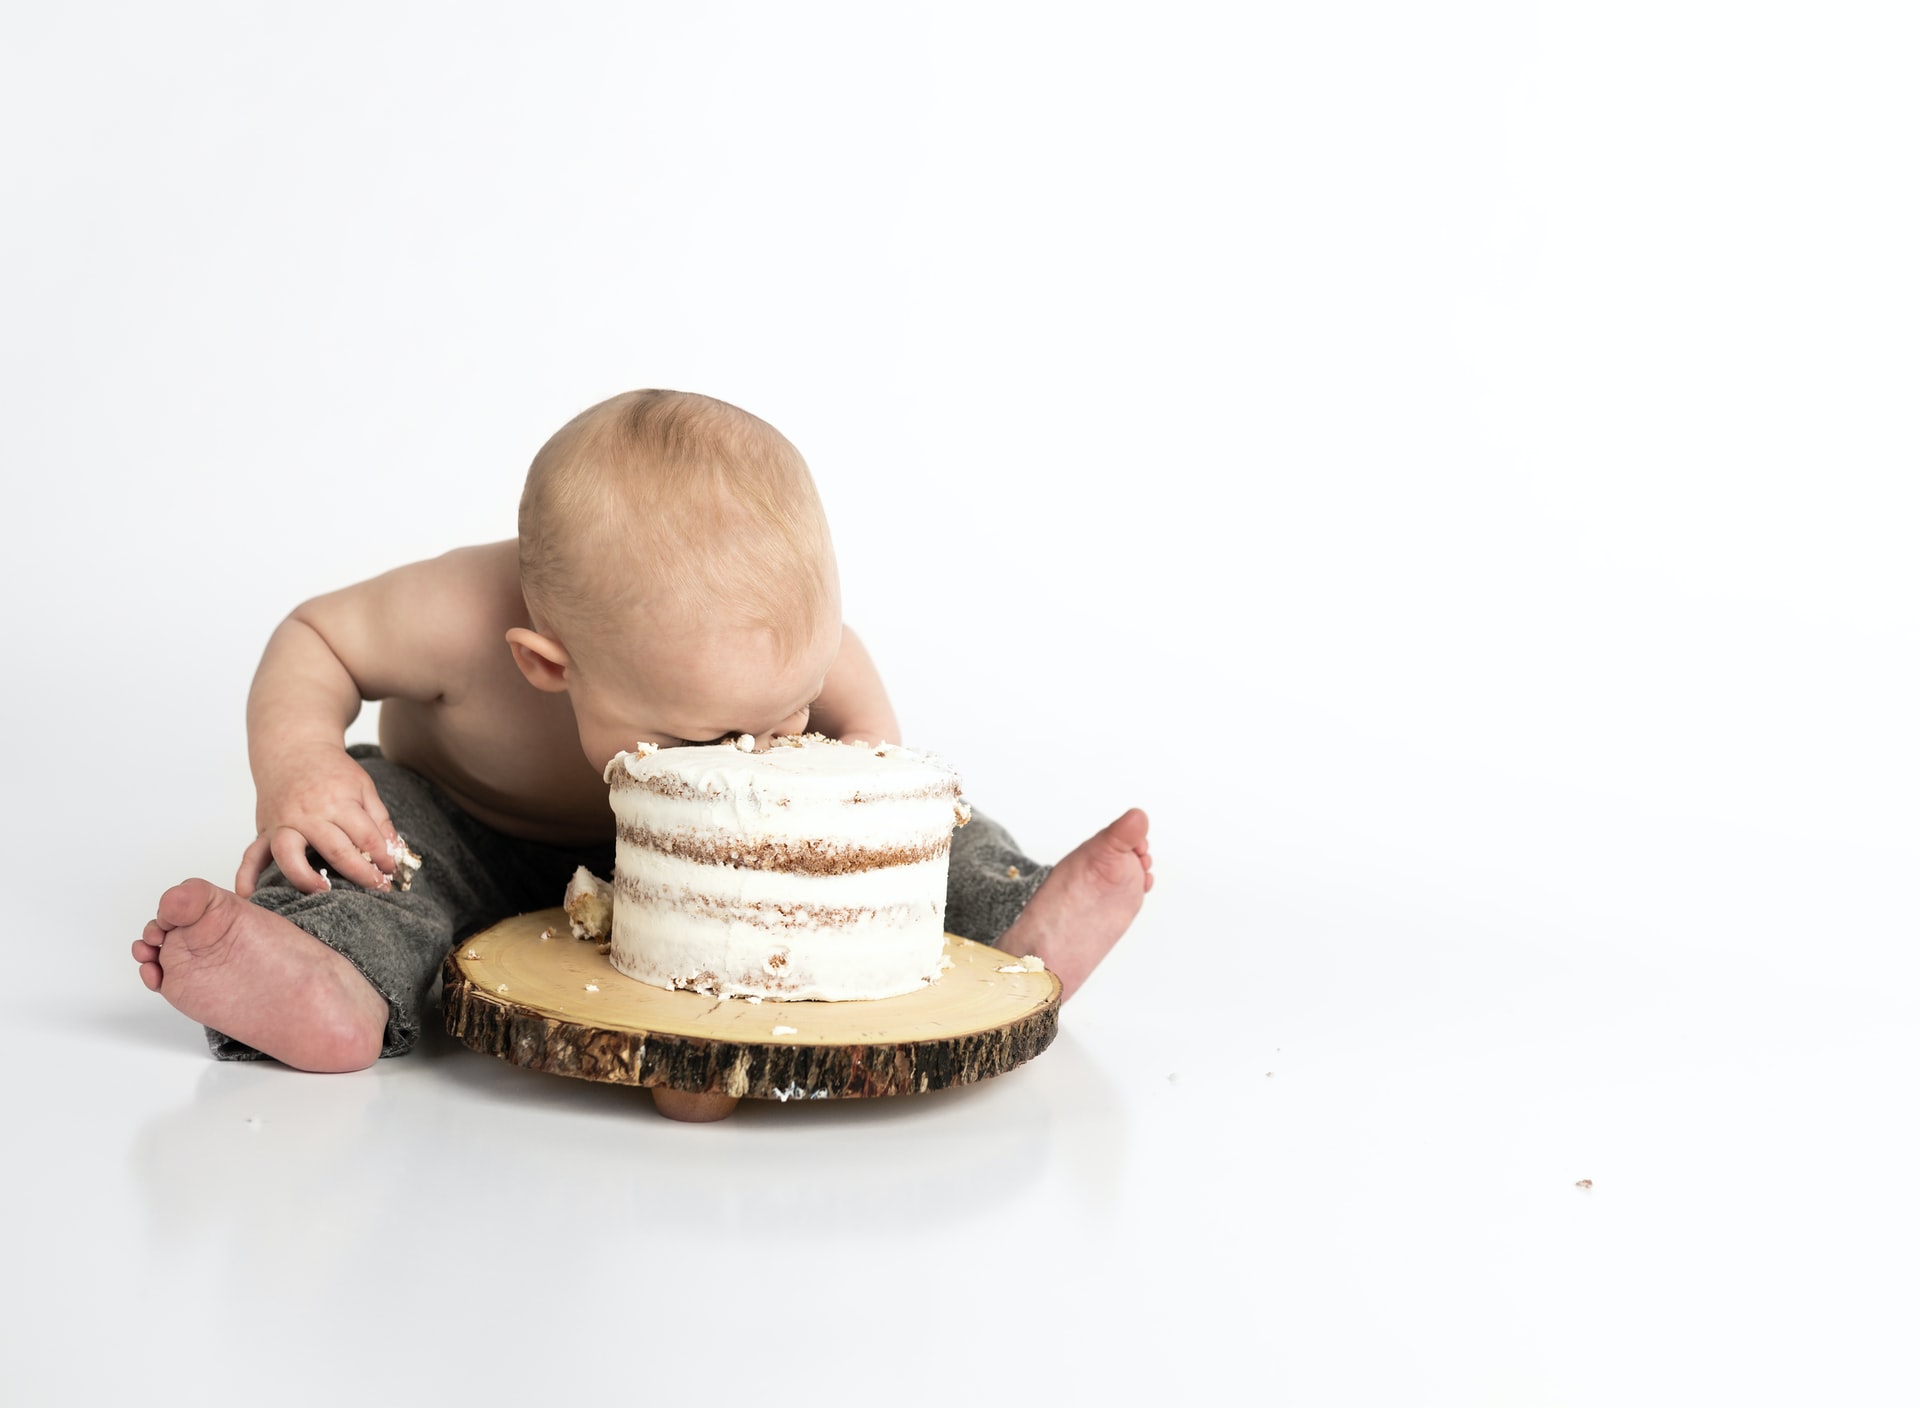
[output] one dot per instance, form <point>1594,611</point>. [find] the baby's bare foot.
<point>1086,904</point>
<point>252,975</point>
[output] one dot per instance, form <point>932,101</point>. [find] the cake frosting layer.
<point>711,844</point>
<point>808,870</point>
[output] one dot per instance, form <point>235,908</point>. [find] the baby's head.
<point>678,572</point>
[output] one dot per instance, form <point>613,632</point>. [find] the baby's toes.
<point>151,975</point>
<point>185,903</point>
<point>144,952</point>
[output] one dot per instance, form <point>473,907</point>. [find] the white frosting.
<point>701,901</point>
<point>406,864</point>
<point>811,765</point>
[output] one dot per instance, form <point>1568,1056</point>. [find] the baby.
<point>673,581</point>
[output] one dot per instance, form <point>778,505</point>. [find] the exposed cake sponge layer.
<point>800,855</point>
<point>643,871</point>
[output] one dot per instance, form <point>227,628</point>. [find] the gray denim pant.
<point>474,876</point>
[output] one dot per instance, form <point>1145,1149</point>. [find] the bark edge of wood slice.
<point>525,990</point>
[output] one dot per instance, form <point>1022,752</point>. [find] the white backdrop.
<point>1454,465</point>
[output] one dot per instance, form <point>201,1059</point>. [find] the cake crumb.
<point>1585,1183</point>
<point>406,862</point>
<point>603,948</point>
<point>588,902</point>
<point>501,988</point>
<point>744,743</point>
<point>786,1031</point>
<point>473,953</point>
<point>593,987</point>
<point>545,934</point>
<point>755,998</point>
<point>1013,872</point>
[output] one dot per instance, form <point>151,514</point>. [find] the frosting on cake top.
<point>812,766</point>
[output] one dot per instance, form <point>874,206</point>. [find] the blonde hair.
<point>680,505</point>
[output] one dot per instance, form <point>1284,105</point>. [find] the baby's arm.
<point>363,642</point>
<point>853,705</point>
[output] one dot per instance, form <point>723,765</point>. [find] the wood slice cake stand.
<point>557,1004</point>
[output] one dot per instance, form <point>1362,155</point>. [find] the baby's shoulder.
<point>422,630</point>
<point>468,597</point>
<point>481,578</point>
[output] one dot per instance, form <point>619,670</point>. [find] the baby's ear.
<point>541,659</point>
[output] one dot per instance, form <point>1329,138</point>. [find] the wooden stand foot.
<point>694,1109</point>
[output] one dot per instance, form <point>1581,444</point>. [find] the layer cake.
<point>810,870</point>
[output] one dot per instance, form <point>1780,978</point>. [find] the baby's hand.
<point>319,797</point>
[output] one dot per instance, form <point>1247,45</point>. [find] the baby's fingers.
<point>371,842</point>
<point>377,809</point>
<point>289,847</point>
<point>332,841</point>
<point>252,862</point>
